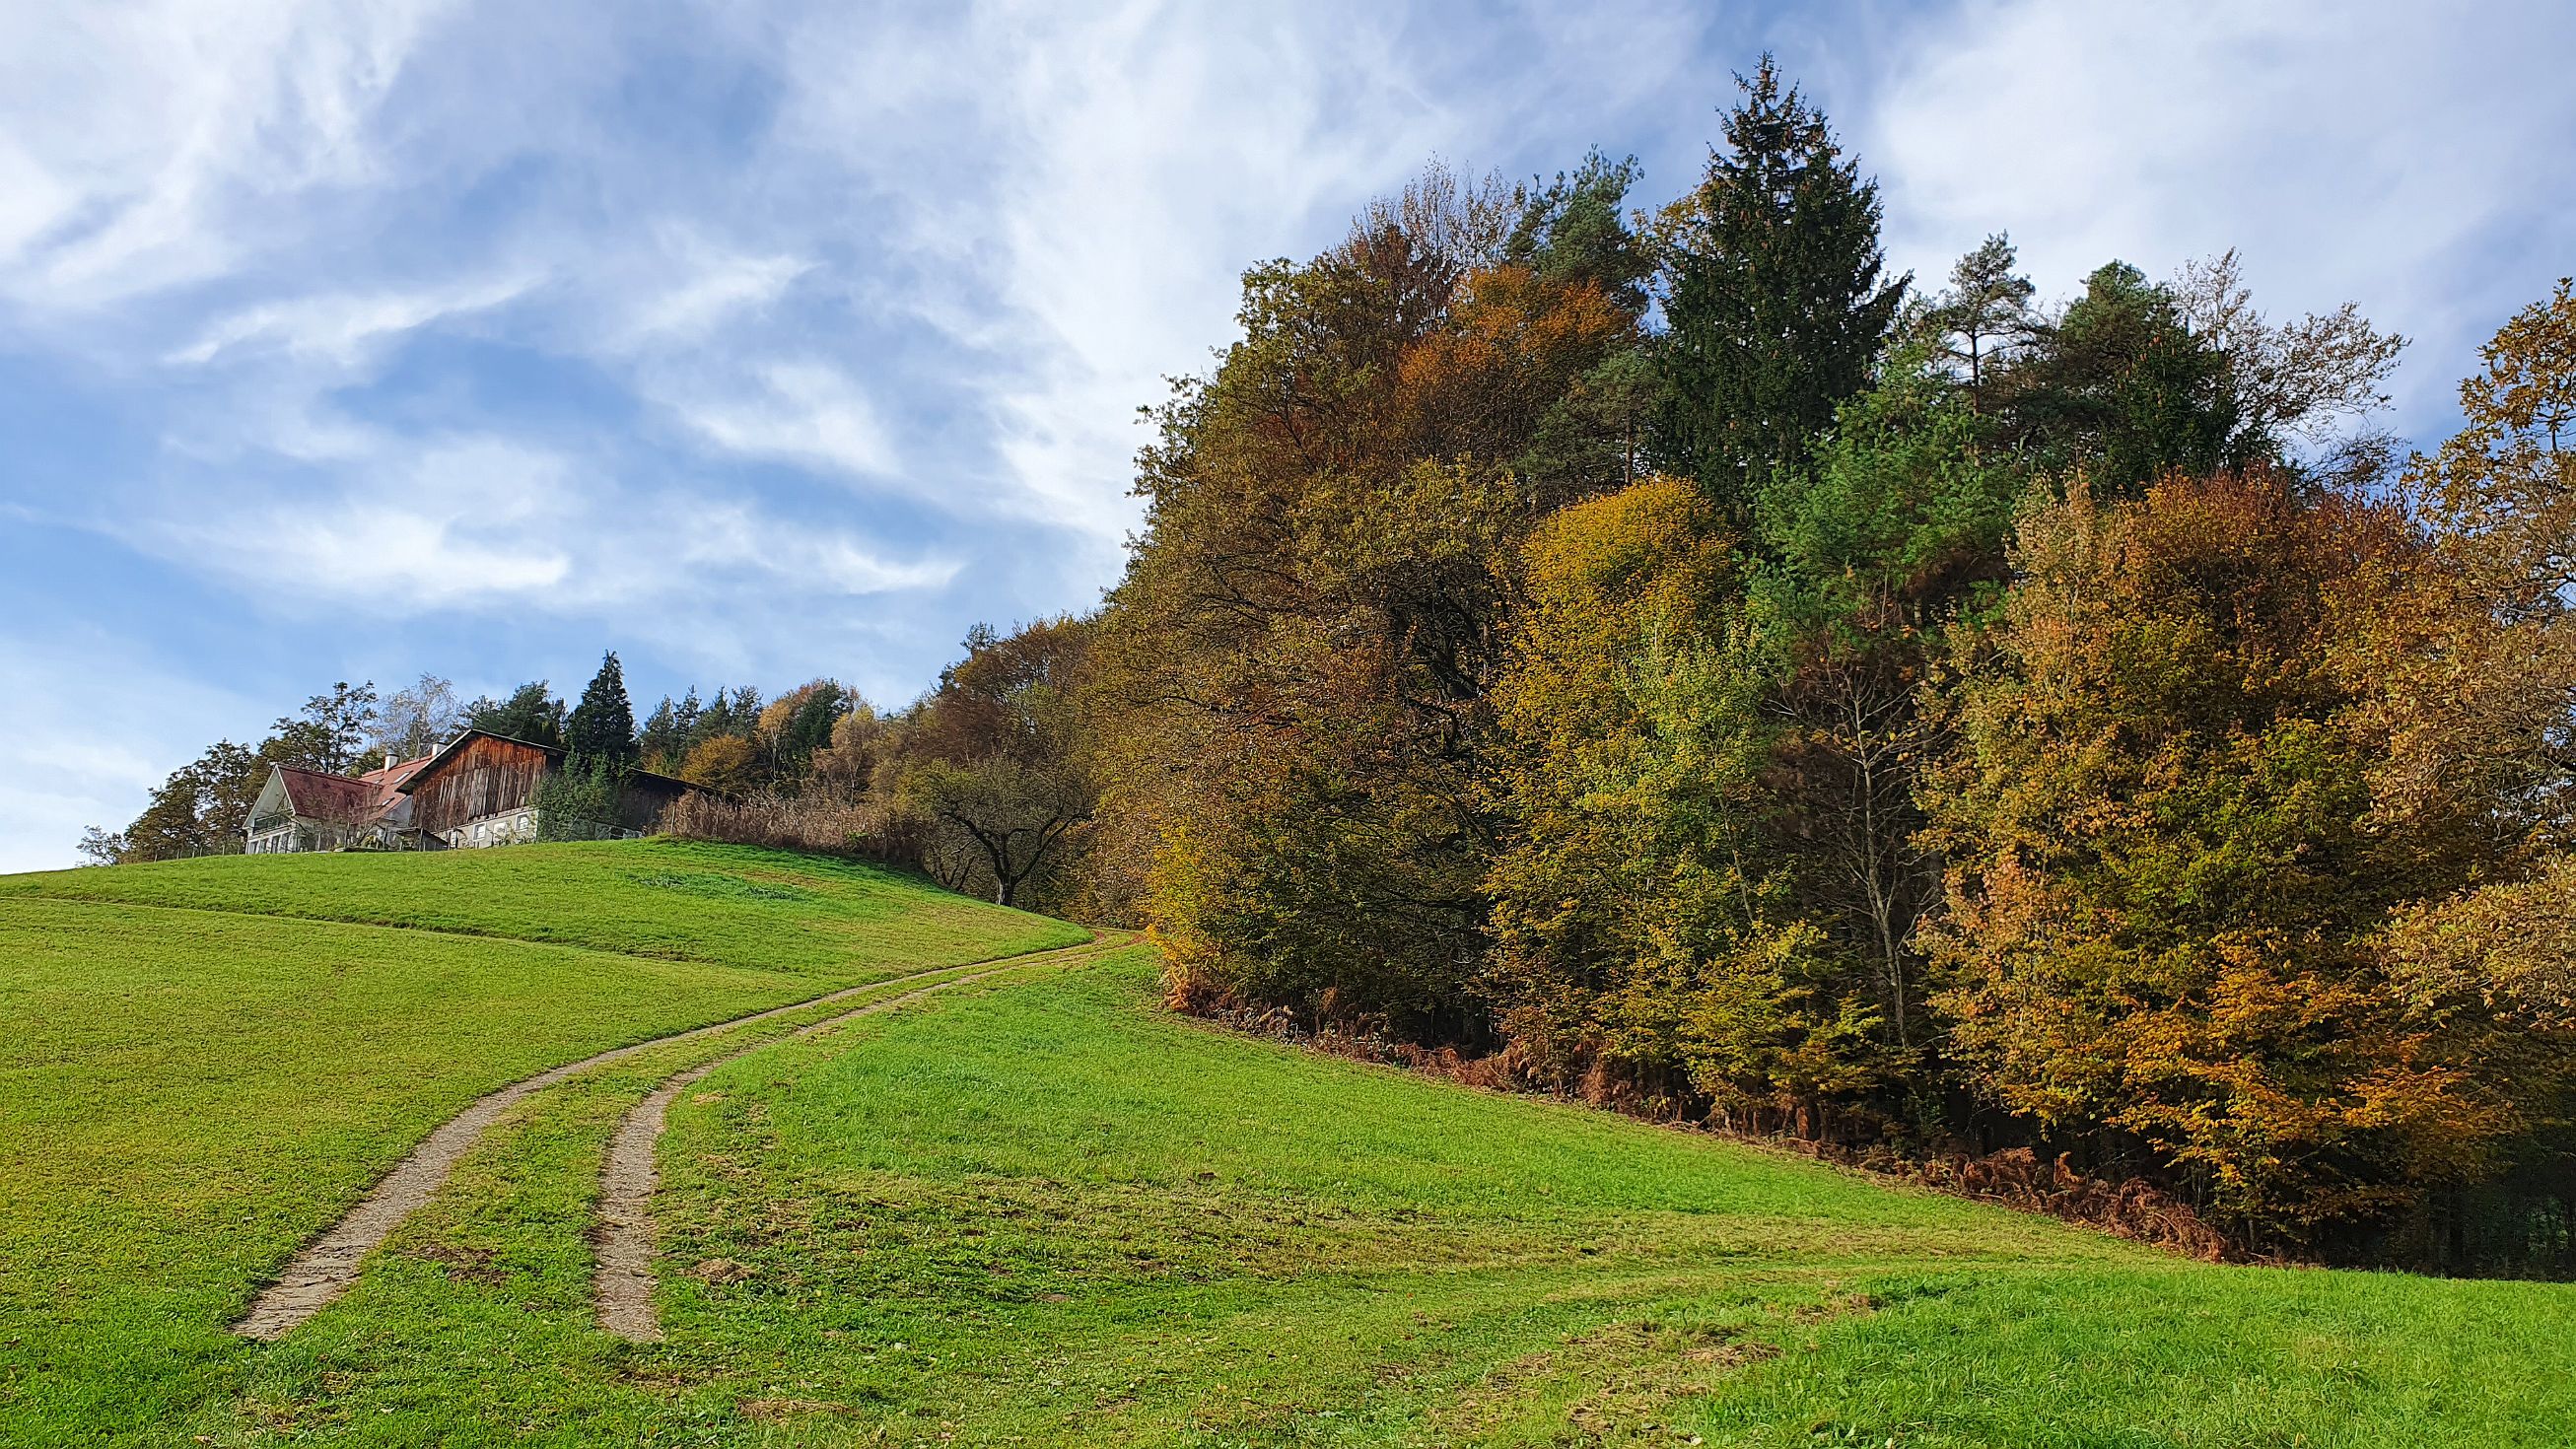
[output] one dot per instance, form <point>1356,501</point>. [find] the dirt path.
<point>622,1244</point>
<point>329,1264</point>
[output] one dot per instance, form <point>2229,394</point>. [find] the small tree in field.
<point>1007,816</point>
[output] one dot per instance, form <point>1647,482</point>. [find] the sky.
<point>763,342</point>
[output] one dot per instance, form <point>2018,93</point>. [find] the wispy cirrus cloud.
<point>146,137</point>
<point>800,411</point>
<point>343,328</point>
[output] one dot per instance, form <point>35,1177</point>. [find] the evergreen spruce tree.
<point>1776,310</point>
<point>602,726</point>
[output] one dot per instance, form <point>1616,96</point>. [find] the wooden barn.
<point>481,789</point>
<point>478,789</point>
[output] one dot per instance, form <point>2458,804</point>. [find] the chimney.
<point>389,759</point>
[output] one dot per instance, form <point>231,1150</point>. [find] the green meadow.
<point>1033,1209</point>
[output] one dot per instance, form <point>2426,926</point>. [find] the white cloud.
<point>345,328</point>
<point>453,526</point>
<point>159,135</point>
<point>802,412</point>
<point>715,286</point>
<point>1104,178</point>
<point>831,562</point>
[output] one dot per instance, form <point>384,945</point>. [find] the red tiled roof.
<point>328,797</point>
<point>388,780</point>
<point>344,799</point>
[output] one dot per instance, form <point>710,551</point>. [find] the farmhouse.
<point>300,809</point>
<point>478,789</point>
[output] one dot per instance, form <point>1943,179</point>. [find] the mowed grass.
<point>189,1091</point>
<point>1045,1212</point>
<point>666,899</point>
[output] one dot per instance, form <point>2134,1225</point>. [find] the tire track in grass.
<point>329,1264</point>
<point>622,1241</point>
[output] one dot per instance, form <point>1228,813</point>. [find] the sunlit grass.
<point>1047,1213</point>
<point>187,1094</point>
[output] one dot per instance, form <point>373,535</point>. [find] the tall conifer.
<point>1777,309</point>
<point>602,726</point>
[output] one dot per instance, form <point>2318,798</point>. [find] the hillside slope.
<point>668,899</point>
<point>1034,1209</point>
<point>192,1086</point>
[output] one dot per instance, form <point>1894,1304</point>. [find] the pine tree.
<point>1985,316</point>
<point>602,726</point>
<point>531,713</point>
<point>1777,310</point>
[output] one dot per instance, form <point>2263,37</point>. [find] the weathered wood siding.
<point>486,777</point>
<point>646,797</point>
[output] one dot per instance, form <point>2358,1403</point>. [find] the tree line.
<point>968,783</point>
<point>1664,653</point>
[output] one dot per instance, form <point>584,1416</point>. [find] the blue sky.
<point>768,341</point>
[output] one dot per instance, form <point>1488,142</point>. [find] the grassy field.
<point>804,916</point>
<point>1039,1210</point>
<point>187,1093</point>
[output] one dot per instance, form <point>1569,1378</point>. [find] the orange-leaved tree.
<point>1306,639</point>
<point>2167,876</point>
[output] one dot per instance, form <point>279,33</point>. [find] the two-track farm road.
<point>328,1265</point>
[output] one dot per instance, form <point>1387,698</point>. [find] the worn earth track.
<point>622,1243</point>
<point>329,1264</point>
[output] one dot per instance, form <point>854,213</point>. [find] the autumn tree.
<point>846,763</point>
<point>1313,618</point>
<point>2492,703</point>
<point>798,723</point>
<point>2166,877</point>
<point>722,762</point>
<point>996,762</point>
<point>2481,711</point>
